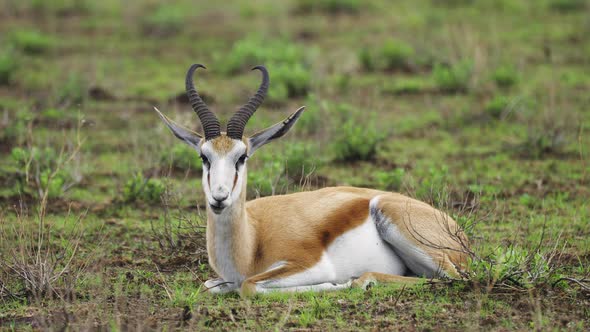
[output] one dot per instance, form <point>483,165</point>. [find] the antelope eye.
<point>241,161</point>
<point>205,161</point>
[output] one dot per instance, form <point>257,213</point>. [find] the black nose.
<point>220,197</point>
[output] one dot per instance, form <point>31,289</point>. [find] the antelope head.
<point>225,154</point>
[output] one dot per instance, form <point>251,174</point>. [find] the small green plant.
<point>433,186</point>
<point>182,157</point>
<point>391,55</point>
<point>513,265</point>
<point>410,85</point>
<point>73,91</point>
<point>396,55</point>
<point>505,76</point>
<point>32,42</point>
<point>254,50</point>
<point>139,188</point>
<point>38,171</point>
<point>568,5</point>
<point>311,121</point>
<point>290,81</point>
<point>390,180</point>
<point>329,6</point>
<point>184,296</point>
<point>285,61</point>
<point>454,78</point>
<point>497,106</point>
<point>267,179</point>
<point>165,20</point>
<point>537,143</point>
<point>61,7</point>
<point>357,138</point>
<point>300,159</point>
<point>367,60</point>
<point>14,130</point>
<point>8,67</point>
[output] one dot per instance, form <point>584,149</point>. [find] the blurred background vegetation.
<point>478,107</point>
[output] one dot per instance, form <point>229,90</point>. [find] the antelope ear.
<point>278,130</point>
<point>189,137</point>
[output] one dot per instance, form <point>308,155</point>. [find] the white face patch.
<point>223,174</point>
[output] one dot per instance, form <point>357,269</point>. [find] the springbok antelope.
<point>328,239</point>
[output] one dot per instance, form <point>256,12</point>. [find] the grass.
<point>329,6</point>
<point>391,55</point>
<point>285,60</point>
<point>471,106</point>
<point>454,78</point>
<point>357,137</point>
<point>497,106</point>
<point>505,76</point>
<point>165,21</point>
<point>8,67</point>
<point>32,42</point>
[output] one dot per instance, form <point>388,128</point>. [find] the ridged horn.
<point>209,121</point>
<point>237,123</point>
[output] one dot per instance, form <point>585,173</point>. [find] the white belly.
<point>361,250</point>
<point>350,255</point>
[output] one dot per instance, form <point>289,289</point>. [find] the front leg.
<point>292,278</point>
<point>220,286</point>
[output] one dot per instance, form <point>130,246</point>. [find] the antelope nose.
<point>220,195</point>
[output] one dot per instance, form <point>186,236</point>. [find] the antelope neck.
<point>230,240</point>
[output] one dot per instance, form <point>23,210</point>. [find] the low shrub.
<point>74,90</point>
<point>8,67</point>
<point>62,7</point>
<point>267,178</point>
<point>329,6</point>
<point>433,186</point>
<point>505,76</point>
<point>289,82</point>
<point>285,61</point>
<point>39,171</point>
<point>165,20</point>
<point>497,106</point>
<point>396,55</point>
<point>407,86</point>
<point>14,130</point>
<point>367,60</point>
<point>391,55</point>
<point>390,180</point>
<point>357,137</point>
<point>565,6</point>
<point>139,188</point>
<point>182,157</point>
<point>311,121</point>
<point>454,78</point>
<point>538,143</point>
<point>32,42</point>
<point>300,159</point>
<point>514,266</point>
<point>251,51</point>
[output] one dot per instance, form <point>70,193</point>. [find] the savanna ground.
<point>481,108</point>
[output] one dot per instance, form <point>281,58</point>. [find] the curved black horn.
<point>209,121</point>
<point>237,123</point>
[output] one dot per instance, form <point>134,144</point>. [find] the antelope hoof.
<point>364,283</point>
<point>217,286</point>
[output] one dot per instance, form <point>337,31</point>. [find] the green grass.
<point>453,78</point>
<point>479,108</point>
<point>8,67</point>
<point>32,42</point>
<point>329,6</point>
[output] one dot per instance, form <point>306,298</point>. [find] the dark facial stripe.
<point>235,181</point>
